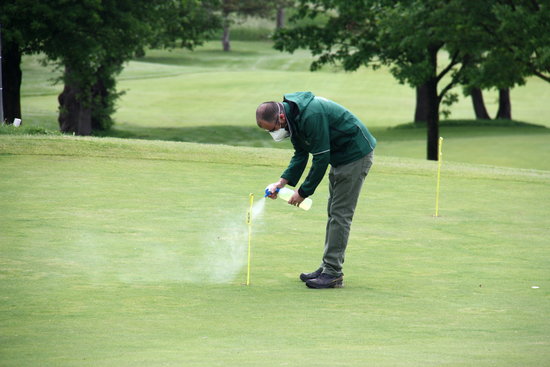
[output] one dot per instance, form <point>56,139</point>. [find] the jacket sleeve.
<point>296,167</point>
<point>317,133</point>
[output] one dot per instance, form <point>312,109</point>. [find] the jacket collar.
<point>289,118</point>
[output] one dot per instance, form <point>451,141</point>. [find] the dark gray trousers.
<point>345,184</point>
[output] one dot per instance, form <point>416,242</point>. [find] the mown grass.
<point>125,252</point>
<point>209,96</point>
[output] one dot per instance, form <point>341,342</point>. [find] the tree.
<point>516,44</point>
<point>11,79</point>
<point>478,103</point>
<point>522,35</point>
<point>407,36</point>
<point>232,8</point>
<point>280,16</point>
<point>19,36</point>
<point>90,41</point>
<point>169,24</point>
<point>413,38</point>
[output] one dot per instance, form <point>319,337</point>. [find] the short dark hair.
<point>267,111</point>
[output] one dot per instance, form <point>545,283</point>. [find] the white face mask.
<point>279,135</point>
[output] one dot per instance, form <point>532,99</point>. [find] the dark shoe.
<point>307,276</point>
<point>326,281</point>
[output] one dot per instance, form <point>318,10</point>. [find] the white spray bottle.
<point>286,194</point>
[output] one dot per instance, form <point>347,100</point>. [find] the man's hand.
<point>274,186</point>
<point>296,199</point>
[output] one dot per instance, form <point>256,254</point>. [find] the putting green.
<point>117,253</point>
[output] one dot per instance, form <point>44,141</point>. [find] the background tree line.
<point>489,44</point>
<point>433,45</point>
<point>89,40</point>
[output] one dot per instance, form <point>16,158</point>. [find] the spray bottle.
<point>286,194</point>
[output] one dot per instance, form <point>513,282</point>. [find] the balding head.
<point>267,112</point>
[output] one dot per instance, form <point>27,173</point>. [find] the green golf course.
<point>129,249</point>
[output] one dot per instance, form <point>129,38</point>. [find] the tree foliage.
<point>522,35</point>
<point>431,44</point>
<point>92,39</point>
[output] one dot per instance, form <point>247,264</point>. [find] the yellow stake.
<point>249,223</point>
<point>439,159</point>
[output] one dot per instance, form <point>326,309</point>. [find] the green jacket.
<point>332,134</point>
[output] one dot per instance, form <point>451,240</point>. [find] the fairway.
<point>209,96</point>
<point>133,253</point>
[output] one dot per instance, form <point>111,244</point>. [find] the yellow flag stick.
<point>439,160</point>
<point>249,223</point>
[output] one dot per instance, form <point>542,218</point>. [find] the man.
<point>332,135</point>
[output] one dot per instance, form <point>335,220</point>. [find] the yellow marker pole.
<point>439,159</point>
<point>249,223</point>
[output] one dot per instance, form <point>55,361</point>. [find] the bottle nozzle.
<point>267,192</point>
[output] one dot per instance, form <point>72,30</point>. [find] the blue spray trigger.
<point>267,192</point>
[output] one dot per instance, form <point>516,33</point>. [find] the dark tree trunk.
<point>479,104</point>
<point>11,81</point>
<point>421,111</point>
<point>504,104</point>
<point>100,96</point>
<point>226,43</point>
<point>280,18</point>
<point>75,114</point>
<point>432,120</point>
